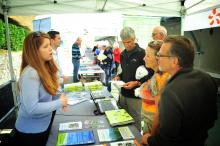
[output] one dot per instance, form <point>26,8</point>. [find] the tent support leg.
<point>12,75</point>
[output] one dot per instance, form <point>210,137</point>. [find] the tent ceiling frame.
<point>203,10</point>
<point>103,7</point>
<point>196,4</point>
<point>145,6</point>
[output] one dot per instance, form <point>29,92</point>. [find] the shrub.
<point>17,35</point>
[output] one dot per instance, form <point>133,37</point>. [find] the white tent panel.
<point>197,6</point>
<point>201,20</point>
<point>133,7</point>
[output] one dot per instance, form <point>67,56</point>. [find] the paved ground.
<point>4,65</point>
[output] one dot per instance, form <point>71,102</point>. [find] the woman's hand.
<point>63,99</point>
<point>144,138</point>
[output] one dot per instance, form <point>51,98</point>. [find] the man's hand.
<point>117,78</point>
<point>131,84</point>
<point>144,138</point>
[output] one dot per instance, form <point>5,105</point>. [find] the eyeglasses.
<point>160,55</point>
<point>153,34</point>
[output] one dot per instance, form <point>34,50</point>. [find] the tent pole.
<point>182,15</point>
<point>182,24</point>
<point>13,78</point>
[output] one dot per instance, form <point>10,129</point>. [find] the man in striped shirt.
<point>76,58</point>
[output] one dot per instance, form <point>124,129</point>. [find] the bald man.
<point>159,33</point>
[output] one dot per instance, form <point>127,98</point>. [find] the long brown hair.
<point>30,56</point>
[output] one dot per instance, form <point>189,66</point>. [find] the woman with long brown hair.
<point>38,84</point>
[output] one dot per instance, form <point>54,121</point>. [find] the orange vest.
<point>151,89</point>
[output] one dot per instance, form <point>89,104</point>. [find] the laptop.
<point>97,95</point>
<point>106,105</point>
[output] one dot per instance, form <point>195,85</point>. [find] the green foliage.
<point>17,35</point>
<point>2,35</point>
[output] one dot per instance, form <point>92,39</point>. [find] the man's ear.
<point>52,41</point>
<point>176,61</point>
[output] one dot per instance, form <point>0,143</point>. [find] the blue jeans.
<point>107,77</point>
<point>76,64</point>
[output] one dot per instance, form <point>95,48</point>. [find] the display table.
<point>82,112</point>
<point>92,71</point>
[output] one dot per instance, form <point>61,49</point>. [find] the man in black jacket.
<point>187,107</point>
<point>131,58</point>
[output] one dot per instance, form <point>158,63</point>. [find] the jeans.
<point>76,64</point>
<point>108,77</point>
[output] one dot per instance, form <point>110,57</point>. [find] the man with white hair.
<point>159,33</point>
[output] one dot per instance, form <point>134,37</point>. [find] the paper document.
<point>109,134</point>
<point>76,97</point>
<point>126,133</point>
<point>125,143</point>
<point>101,57</point>
<point>118,83</point>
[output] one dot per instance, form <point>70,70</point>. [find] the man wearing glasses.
<point>187,107</point>
<point>159,33</point>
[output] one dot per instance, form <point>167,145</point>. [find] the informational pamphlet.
<point>118,117</point>
<point>109,134</point>
<point>125,143</point>
<point>70,126</point>
<point>76,138</point>
<point>126,133</point>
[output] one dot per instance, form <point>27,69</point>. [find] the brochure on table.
<point>118,117</point>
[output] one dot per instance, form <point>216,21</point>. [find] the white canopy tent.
<point>157,8</point>
<point>127,7</point>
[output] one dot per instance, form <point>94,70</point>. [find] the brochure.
<point>94,124</point>
<point>73,87</point>
<point>125,143</point>
<point>70,126</point>
<point>118,117</point>
<point>76,97</point>
<point>76,138</point>
<point>109,134</point>
<point>126,133</point>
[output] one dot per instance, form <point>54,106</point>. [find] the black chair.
<point>8,112</point>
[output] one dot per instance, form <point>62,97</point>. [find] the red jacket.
<point>117,52</point>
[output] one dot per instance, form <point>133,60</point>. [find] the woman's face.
<point>150,58</point>
<point>45,50</point>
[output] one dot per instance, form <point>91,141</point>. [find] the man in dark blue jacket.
<point>187,107</point>
<point>131,58</point>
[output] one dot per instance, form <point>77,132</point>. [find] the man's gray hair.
<point>127,33</point>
